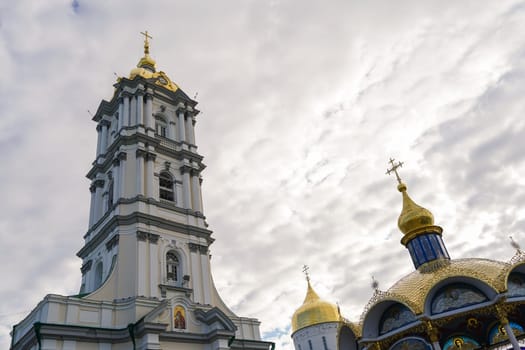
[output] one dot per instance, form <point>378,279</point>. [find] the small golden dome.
<point>413,217</point>
<point>314,311</point>
<point>147,62</point>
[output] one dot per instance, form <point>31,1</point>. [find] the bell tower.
<point>146,188</point>
<point>146,276</point>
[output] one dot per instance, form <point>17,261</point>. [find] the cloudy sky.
<point>303,103</point>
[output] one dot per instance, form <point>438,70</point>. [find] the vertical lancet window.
<point>166,187</point>
<point>172,267</point>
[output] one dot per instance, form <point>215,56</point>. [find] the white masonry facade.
<point>146,278</point>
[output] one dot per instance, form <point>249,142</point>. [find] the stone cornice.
<point>136,218</point>
<point>137,138</point>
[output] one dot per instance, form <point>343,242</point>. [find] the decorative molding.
<point>151,156</point>
<point>165,287</point>
<point>202,249</point>
<point>99,183</point>
<point>153,238</point>
<point>112,242</point>
<point>122,156</point>
<point>142,236</point>
<point>86,267</point>
<point>147,236</point>
<point>141,153</point>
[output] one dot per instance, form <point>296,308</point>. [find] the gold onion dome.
<point>146,68</point>
<point>413,217</point>
<point>314,311</point>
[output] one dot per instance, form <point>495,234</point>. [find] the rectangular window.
<point>324,343</point>
<point>310,345</point>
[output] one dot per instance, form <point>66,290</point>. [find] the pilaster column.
<point>196,275</point>
<point>122,156</point>
<point>150,159</point>
<point>125,116</point>
<point>142,263</point>
<point>433,334</point>
<point>104,142</point>
<point>206,275</point>
<point>140,109</point>
<point>92,189</point>
<point>172,133</point>
<point>186,191</point>
<point>139,156</point>
<point>182,128</point>
<point>195,191</point>
<point>120,114</point>
<point>99,140</point>
<point>132,110</point>
<point>149,112</point>
<point>501,312</point>
<point>189,127</point>
<point>116,180</point>
<point>192,131</point>
<point>154,267</point>
<point>99,183</point>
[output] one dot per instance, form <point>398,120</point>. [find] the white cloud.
<point>303,103</point>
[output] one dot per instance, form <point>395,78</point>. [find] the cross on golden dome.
<point>305,271</point>
<point>146,41</point>
<point>394,169</point>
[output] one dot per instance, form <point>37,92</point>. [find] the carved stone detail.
<point>86,267</point>
<point>142,236</point>
<point>112,242</point>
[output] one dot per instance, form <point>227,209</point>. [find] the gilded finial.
<point>305,271</point>
<point>146,42</point>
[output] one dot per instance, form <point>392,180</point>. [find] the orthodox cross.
<point>146,42</point>
<point>305,270</point>
<point>394,169</point>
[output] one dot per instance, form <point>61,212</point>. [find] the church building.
<point>146,277</point>
<point>444,304</point>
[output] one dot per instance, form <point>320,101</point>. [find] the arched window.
<point>516,285</point>
<point>166,187</point>
<point>161,128</point>
<point>456,296</point>
<point>98,274</point>
<point>394,317</point>
<point>172,267</point>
